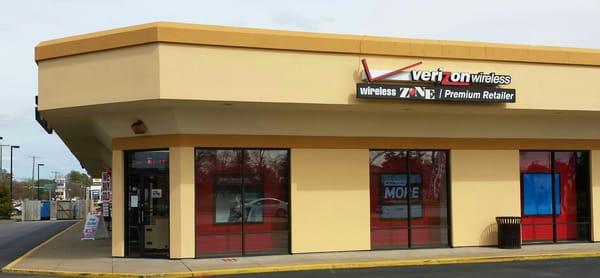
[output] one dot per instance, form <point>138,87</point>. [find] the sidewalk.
<point>67,255</point>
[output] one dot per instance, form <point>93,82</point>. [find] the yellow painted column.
<point>330,200</point>
<point>181,203</point>
<point>118,204</point>
<point>595,193</point>
<point>484,184</point>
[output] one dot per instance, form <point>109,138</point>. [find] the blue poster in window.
<point>395,194</point>
<point>537,195</point>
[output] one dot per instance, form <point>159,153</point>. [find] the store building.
<point>229,141</point>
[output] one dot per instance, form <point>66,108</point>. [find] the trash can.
<point>45,210</point>
<point>509,232</point>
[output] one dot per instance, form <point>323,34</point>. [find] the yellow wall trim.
<point>303,41</point>
<point>332,142</point>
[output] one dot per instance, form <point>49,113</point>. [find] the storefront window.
<point>564,178</point>
<point>408,199</point>
<point>242,202</point>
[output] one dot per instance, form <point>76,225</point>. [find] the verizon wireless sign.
<point>459,78</point>
<point>444,85</point>
<point>435,93</point>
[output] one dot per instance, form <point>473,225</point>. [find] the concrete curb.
<point>395,263</point>
<point>305,267</point>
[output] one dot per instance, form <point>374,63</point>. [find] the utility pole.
<point>66,187</point>
<point>38,181</point>
<point>55,174</point>
<point>11,170</point>
<point>32,174</point>
<point>55,177</point>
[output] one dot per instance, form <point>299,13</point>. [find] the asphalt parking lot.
<point>16,238</point>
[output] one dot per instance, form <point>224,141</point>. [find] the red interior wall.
<point>539,228</point>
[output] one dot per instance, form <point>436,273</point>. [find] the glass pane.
<point>266,202</point>
<point>574,205</point>
<point>582,183</point>
<point>428,198</point>
<point>536,206</point>
<point>538,230</point>
<point>389,199</point>
<point>535,162</point>
<point>134,230</point>
<point>218,202</point>
<point>429,236</point>
<point>573,231</point>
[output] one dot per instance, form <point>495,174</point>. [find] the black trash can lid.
<point>508,220</point>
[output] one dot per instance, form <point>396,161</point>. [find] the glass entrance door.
<point>147,202</point>
<point>409,199</point>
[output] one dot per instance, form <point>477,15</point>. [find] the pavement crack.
<point>188,268</point>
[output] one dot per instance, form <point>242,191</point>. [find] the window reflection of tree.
<point>273,161</point>
<point>257,161</point>
<point>380,159</point>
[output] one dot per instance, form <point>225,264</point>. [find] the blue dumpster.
<point>45,210</point>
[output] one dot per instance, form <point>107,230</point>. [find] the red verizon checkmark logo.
<point>370,78</point>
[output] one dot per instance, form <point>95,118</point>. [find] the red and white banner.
<point>438,176</point>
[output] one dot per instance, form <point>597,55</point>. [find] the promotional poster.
<point>396,193</point>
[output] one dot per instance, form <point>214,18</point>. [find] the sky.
<point>23,24</point>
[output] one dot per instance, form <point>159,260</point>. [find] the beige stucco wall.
<point>242,74</point>
<point>118,203</point>
<point>181,202</point>
<point>330,200</point>
<point>485,184</point>
<point>218,73</point>
<point>119,75</point>
<point>237,74</point>
<point>595,193</point>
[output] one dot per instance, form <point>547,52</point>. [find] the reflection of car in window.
<point>270,207</point>
<point>259,208</point>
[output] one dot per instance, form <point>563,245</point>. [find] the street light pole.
<point>38,181</point>
<point>1,153</point>
<point>11,171</point>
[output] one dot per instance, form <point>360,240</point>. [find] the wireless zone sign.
<point>446,85</point>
